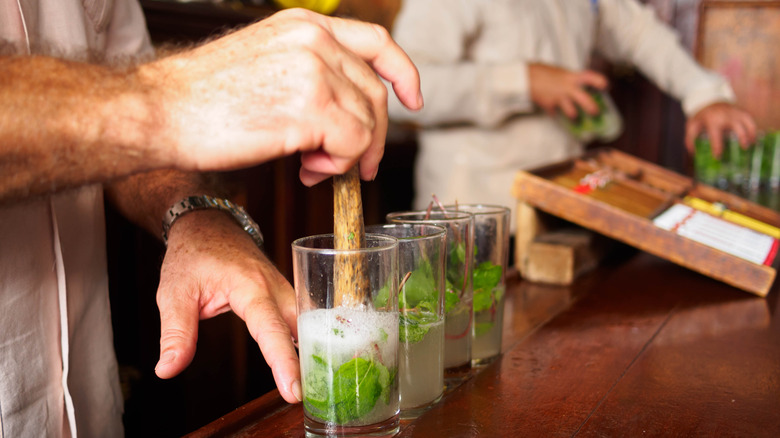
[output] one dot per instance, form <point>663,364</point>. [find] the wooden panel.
<point>740,40</point>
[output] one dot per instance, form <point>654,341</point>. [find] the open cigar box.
<point>654,209</point>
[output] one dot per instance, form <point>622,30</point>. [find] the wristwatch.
<point>192,203</point>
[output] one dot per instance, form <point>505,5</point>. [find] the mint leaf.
<point>348,394</point>
<point>413,326</point>
<point>451,298</point>
<point>419,287</point>
<point>381,297</point>
<point>482,328</point>
<point>456,258</point>
<point>385,380</point>
<point>317,389</point>
<point>486,278</point>
<point>318,360</point>
<point>356,389</point>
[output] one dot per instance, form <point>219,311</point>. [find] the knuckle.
<point>379,92</point>
<point>294,13</point>
<point>311,34</point>
<point>171,335</point>
<point>380,33</point>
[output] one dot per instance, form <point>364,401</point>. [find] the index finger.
<point>273,335</point>
<point>593,79</point>
<point>373,44</point>
<point>716,140</point>
<point>585,101</point>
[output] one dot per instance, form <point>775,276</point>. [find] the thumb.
<point>179,333</point>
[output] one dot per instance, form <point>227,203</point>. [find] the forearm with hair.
<point>64,124</point>
<point>144,198</point>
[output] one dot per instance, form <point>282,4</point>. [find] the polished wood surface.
<point>639,347</point>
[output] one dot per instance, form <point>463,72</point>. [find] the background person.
<point>495,74</point>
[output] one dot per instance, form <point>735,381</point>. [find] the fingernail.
<point>296,390</point>
<point>420,102</point>
<point>166,358</point>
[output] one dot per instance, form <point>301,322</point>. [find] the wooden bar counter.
<point>639,347</point>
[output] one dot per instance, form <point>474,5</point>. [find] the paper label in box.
<point>719,233</point>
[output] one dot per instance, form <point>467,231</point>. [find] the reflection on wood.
<point>715,320</point>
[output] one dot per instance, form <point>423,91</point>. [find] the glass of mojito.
<point>736,163</point>
<point>458,315</point>
<point>756,157</point>
<point>421,252</point>
<point>707,168</point>
<point>605,126</point>
<point>348,352</point>
<point>491,256</point>
<point>770,167</point>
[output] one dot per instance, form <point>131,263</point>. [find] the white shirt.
<point>58,371</point>
<point>479,125</point>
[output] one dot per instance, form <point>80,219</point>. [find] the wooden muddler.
<point>352,284</point>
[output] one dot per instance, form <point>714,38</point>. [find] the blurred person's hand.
<point>555,89</point>
<point>719,120</point>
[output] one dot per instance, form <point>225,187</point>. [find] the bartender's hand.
<point>719,120</point>
<point>212,266</point>
<point>555,89</point>
<point>295,82</point>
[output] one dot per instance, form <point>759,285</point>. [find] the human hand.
<point>295,82</point>
<point>717,120</point>
<point>556,89</point>
<point>219,271</point>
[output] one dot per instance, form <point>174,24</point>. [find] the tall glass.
<point>348,348</point>
<point>458,294</point>
<point>491,257</point>
<point>421,251</point>
<point>707,168</point>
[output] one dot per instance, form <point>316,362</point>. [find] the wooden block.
<point>529,225</point>
<point>559,257</point>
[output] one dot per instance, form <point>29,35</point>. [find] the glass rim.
<point>460,216</point>
<point>484,208</point>
<point>389,242</point>
<point>436,231</point>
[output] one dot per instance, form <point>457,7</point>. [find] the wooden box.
<point>633,201</point>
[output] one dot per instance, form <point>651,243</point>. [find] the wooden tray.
<point>633,193</point>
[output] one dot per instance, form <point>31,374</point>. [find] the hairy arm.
<point>64,124</point>
<point>295,82</point>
